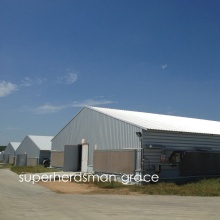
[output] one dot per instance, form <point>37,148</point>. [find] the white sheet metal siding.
<point>28,147</point>
<point>177,141</point>
<point>183,141</point>
<point>21,160</point>
<point>99,130</point>
<point>150,158</point>
<point>11,148</point>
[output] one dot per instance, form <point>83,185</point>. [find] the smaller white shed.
<point>33,150</point>
<point>10,152</point>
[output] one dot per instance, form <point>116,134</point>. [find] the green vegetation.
<point>210,187</point>
<point>205,187</point>
<point>2,148</point>
<point>32,169</point>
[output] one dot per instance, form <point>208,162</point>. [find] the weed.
<point>32,169</point>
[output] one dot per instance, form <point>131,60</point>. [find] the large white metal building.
<point>119,141</point>
<point>33,150</point>
<point>10,152</point>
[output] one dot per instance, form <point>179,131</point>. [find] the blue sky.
<point>57,56</point>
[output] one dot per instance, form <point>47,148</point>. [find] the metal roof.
<point>42,142</point>
<point>163,122</point>
<point>15,145</point>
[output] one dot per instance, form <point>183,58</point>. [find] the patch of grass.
<point>32,169</point>
<point>206,187</point>
<point>210,187</point>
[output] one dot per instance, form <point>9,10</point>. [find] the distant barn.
<point>33,150</point>
<point>10,152</point>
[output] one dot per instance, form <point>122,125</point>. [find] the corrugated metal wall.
<point>181,140</point>
<point>9,150</point>
<point>99,130</point>
<point>5,158</point>
<point>175,141</point>
<point>21,160</point>
<point>28,147</point>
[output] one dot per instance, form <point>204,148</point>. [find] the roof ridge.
<point>93,107</point>
<point>153,121</point>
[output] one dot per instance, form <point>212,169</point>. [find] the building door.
<point>72,158</point>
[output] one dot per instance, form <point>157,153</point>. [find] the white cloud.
<point>48,108</point>
<point>27,81</point>
<point>164,66</point>
<point>70,78</point>
<point>7,88</point>
<point>40,81</point>
<point>91,102</point>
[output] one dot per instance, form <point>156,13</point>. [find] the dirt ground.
<point>25,200</point>
<point>82,188</point>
